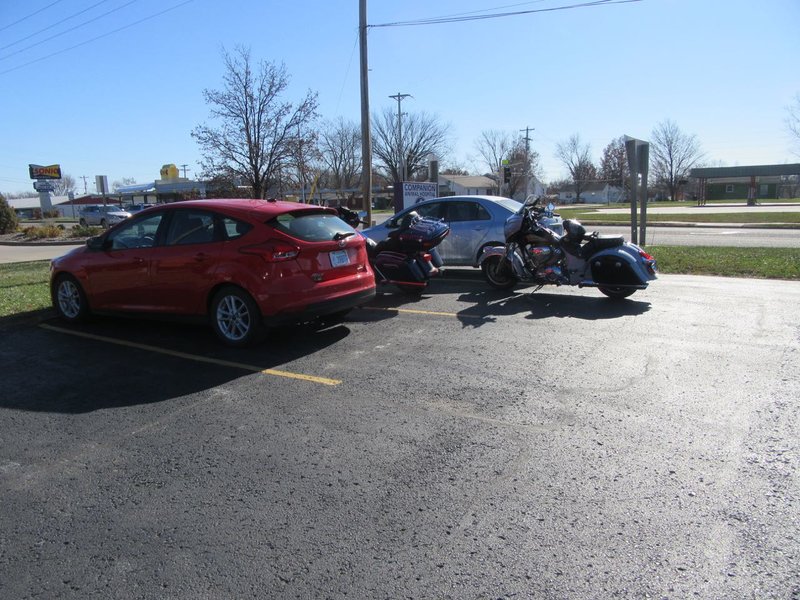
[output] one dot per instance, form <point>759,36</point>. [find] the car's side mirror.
<point>97,242</point>
<point>391,223</point>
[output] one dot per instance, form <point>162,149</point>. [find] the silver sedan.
<point>475,222</point>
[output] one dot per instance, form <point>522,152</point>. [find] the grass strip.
<point>759,263</point>
<point>24,287</point>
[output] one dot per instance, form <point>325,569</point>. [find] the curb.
<point>78,242</point>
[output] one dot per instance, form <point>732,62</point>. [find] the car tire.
<point>103,223</point>
<point>82,222</point>
<point>235,317</point>
<point>616,293</point>
<point>69,299</point>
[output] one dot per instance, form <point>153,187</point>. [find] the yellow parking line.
<point>194,357</point>
<point>423,312</point>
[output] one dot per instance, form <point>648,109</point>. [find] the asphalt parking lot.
<point>468,444</point>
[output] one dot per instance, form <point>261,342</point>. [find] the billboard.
<point>41,172</point>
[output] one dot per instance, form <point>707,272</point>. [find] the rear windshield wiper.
<point>343,235</point>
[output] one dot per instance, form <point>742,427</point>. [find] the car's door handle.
<point>200,256</point>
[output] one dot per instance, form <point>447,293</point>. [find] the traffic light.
<point>506,174</point>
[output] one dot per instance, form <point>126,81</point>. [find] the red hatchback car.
<point>240,264</point>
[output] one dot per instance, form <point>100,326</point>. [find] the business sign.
<point>41,172</point>
<point>417,191</point>
<point>43,186</point>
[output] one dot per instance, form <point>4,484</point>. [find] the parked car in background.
<point>239,264</point>
<point>475,223</point>
<point>103,215</point>
<point>136,208</point>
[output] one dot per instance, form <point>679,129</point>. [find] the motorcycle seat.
<point>601,242</point>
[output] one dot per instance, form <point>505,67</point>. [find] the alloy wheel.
<point>233,318</point>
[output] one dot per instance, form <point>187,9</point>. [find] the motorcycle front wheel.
<point>617,293</point>
<point>498,273</point>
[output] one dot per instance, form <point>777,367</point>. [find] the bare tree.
<point>576,156</point>
<point>614,163</point>
<point>423,134</point>
<point>305,154</point>
<point>793,123</point>
<point>340,152</point>
<point>672,155</point>
<point>257,133</point>
<point>64,186</point>
<point>493,147</point>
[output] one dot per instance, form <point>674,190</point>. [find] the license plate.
<point>339,258</point>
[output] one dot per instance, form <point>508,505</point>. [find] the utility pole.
<point>527,139</point>
<point>366,135</point>
<point>85,189</point>
<point>183,168</point>
<point>400,97</point>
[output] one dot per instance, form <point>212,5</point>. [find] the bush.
<point>8,218</point>
<point>85,231</point>
<point>43,232</point>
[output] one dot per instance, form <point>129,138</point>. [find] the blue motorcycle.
<point>537,255</point>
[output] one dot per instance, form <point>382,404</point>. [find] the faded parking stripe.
<point>194,357</point>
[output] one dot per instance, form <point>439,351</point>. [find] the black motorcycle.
<point>408,257</point>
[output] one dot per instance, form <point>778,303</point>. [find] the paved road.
<point>478,445</point>
<point>10,254</point>
<point>712,236</point>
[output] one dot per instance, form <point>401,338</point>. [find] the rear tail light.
<point>649,261</point>
<point>272,251</point>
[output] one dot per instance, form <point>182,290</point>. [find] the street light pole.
<point>400,97</point>
<point>366,135</point>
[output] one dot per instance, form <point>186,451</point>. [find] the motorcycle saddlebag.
<point>423,235</point>
<point>399,267</point>
<point>613,270</point>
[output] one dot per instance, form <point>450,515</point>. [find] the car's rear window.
<point>511,205</point>
<point>313,227</point>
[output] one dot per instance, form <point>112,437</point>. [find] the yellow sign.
<point>49,172</point>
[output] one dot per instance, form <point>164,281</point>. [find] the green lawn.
<point>762,263</point>
<point>24,287</point>
<point>594,216</point>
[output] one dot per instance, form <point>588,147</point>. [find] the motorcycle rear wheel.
<point>498,273</point>
<point>617,293</point>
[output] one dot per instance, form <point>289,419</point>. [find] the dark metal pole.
<point>630,150</point>
<point>366,135</point>
<point>643,154</point>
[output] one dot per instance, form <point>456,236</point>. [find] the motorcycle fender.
<point>491,251</point>
<point>621,265</point>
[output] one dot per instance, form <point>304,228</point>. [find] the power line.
<point>94,39</point>
<point>33,14</point>
<point>57,23</point>
<point>66,31</point>
<point>458,19</point>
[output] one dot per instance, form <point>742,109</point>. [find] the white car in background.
<point>105,216</point>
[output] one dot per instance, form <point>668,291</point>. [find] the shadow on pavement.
<point>488,305</point>
<point>54,370</point>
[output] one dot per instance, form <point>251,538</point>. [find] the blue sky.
<point>120,95</point>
